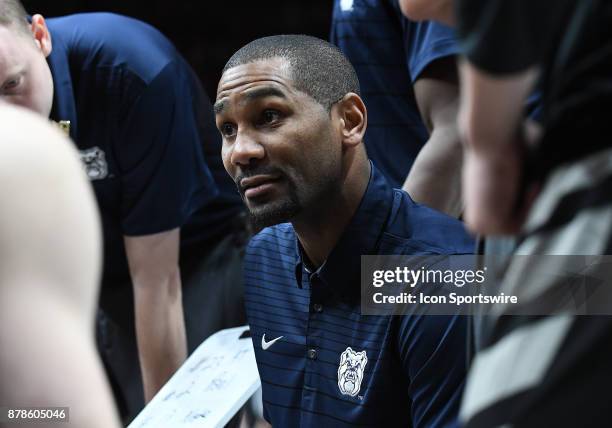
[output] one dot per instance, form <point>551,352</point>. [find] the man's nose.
<point>246,150</point>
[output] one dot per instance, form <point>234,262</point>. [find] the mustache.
<point>257,170</point>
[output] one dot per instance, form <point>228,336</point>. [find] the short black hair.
<point>318,68</point>
<point>12,13</point>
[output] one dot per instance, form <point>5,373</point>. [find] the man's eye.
<point>228,129</point>
<point>11,84</point>
<point>270,116</point>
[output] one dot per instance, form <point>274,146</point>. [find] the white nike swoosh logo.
<point>265,345</point>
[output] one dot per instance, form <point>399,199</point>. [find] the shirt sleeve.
<point>503,37</point>
<point>426,42</point>
<point>164,176</point>
<point>433,354</point>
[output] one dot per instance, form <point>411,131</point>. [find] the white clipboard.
<point>209,388</point>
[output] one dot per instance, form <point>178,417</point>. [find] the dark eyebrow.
<point>253,95</point>
<point>219,106</point>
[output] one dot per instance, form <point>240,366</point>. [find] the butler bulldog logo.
<point>94,161</point>
<point>350,372</point>
<point>346,5</point>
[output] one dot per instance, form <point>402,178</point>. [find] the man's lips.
<point>257,185</point>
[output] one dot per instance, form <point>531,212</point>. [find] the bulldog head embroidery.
<point>94,161</point>
<point>350,371</point>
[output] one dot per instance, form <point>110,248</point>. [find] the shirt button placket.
<point>312,354</point>
<point>312,344</point>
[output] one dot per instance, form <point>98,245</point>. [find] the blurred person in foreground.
<point>145,133</point>
<point>49,276</point>
<point>293,122</point>
<point>554,192</point>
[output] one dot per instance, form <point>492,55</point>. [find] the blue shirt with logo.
<point>307,328</point>
<point>389,53</point>
<point>145,132</point>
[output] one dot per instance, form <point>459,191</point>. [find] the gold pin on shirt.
<point>64,125</point>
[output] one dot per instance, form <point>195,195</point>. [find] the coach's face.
<point>24,73</point>
<point>281,147</point>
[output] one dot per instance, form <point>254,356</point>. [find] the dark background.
<point>208,32</point>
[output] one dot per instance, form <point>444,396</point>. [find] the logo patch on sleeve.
<point>350,371</point>
<point>346,5</point>
<point>94,162</point>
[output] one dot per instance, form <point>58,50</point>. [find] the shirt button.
<point>312,354</point>
<point>318,307</point>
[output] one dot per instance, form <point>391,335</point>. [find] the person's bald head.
<point>25,132</point>
<point>50,241</point>
<point>317,67</point>
<point>40,167</point>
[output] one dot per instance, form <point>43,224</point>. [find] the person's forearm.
<point>490,121</point>
<point>160,330</point>
<point>435,176</point>
<point>491,112</point>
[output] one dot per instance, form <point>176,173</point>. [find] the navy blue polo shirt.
<point>307,328</point>
<point>145,132</point>
<point>389,53</point>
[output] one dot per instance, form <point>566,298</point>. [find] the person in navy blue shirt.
<point>145,132</point>
<point>292,122</point>
<point>408,80</point>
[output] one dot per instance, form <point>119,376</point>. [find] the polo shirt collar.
<point>341,271</point>
<point>64,107</point>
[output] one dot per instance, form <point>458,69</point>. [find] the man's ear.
<point>41,34</point>
<point>353,119</point>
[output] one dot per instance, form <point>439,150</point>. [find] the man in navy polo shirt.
<point>408,81</point>
<point>292,124</point>
<point>145,132</point>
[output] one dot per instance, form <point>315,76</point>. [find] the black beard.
<point>286,209</point>
<point>275,212</point>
